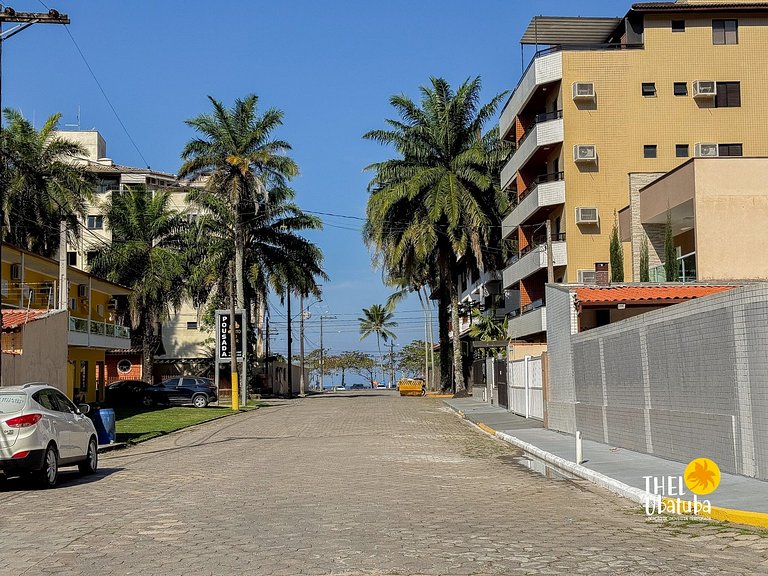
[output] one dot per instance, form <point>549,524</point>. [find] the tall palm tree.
<point>146,256</point>
<point>439,199</point>
<point>236,150</point>
<point>377,320</point>
<point>43,185</point>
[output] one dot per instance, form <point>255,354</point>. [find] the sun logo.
<point>702,476</point>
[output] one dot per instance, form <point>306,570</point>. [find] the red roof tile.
<point>641,294</point>
<point>13,318</point>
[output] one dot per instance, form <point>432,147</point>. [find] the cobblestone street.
<point>345,484</point>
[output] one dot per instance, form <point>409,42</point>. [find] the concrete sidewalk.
<point>611,467</point>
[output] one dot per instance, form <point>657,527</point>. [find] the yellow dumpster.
<point>412,387</point>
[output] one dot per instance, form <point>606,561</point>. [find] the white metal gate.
<point>525,387</point>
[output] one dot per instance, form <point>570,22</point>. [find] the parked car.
<point>339,388</point>
<point>185,390</point>
<point>129,393</point>
<point>358,387</point>
<point>42,430</point>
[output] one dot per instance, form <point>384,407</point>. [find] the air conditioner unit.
<point>112,305</point>
<point>82,291</point>
<point>15,271</point>
<point>586,276</point>
<point>100,309</point>
<point>586,216</point>
<point>705,150</point>
<point>583,91</point>
<point>704,88</point>
<point>584,153</point>
<point>73,303</point>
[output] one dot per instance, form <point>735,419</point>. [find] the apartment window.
<point>681,89</point>
<point>678,25</point>
<point>72,258</point>
<point>95,222</point>
<point>649,151</point>
<point>191,325</point>
<point>90,256</point>
<point>729,150</point>
<point>649,89</point>
<point>728,95</point>
<point>725,32</point>
<point>681,151</point>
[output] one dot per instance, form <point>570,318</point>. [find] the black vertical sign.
<point>223,332</point>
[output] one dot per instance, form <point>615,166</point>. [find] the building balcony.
<point>531,321</point>
<point>544,133</point>
<point>534,258</point>
<point>543,69</point>
<point>92,334</point>
<point>546,190</point>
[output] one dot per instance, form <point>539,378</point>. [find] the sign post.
<point>223,346</point>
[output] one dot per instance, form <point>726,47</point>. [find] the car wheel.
<point>49,473</point>
<point>200,401</point>
<point>423,391</point>
<point>91,459</point>
<point>147,401</point>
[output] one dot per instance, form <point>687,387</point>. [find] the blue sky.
<point>331,66</point>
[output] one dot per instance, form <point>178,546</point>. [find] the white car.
<point>41,430</point>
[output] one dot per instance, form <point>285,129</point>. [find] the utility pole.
<point>392,361</point>
<point>266,356</point>
<point>301,348</point>
<point>23,20</point>
<point>322,351</point>
<point>550,258</point>
<point>290,341</point>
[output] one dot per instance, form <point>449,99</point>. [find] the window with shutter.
<point>728,95</point>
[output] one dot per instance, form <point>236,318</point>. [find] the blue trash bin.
<point>104,422</point>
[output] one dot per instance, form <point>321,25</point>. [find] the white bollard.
<point>579,452</point>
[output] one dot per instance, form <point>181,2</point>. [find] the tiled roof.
<point>644,294</point>
<point>13,318</point>
<point>118,169</point>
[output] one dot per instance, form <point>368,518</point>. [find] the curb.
<point>636,495</point>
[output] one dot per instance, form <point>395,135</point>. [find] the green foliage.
<point>488,327</point>
<point>356,362</point>
<point>645,274</point>
<point>41,184</point>
<point>616,253</point>
<point>670,255</point>
<point>439,199</point>
<point>410,359</point>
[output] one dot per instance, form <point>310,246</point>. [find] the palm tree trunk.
<point>381,359</point>
<point>147,348</point>
<point>458,366</point>
<point>442,317</point>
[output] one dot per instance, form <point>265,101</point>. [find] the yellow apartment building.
<point>607,98</point>
<point>90,319</point>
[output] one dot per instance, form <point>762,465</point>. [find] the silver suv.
<point>40,430</point>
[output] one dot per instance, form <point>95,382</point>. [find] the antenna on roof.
<point>78,120</point>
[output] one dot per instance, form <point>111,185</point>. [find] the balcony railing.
<point>81,325</point>
<point>541,179</point>
<point>560,237</point>
<point>576,47</point>
<point>686,270</point>
<point>538,119</point>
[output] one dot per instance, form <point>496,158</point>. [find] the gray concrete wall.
<point>685,381</point>
<point>44,354</point>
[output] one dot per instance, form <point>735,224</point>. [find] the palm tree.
<point>44,188</point>
<point>377,320</point>
<point>235,149</point>
<point>440,199</point>
<point>487,327</point>
<point>146,256</point>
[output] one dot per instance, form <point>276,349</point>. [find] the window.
<point>681,150</point>
<point>72,258</point>
<point>90,256</point>
<point>124,366</point>
<point>65,404</point>
<point>649,89</point>
<point>681,89</point>
<point>95,222</point>
<point>729,150</point>
<point>191,325</point>
<point>728,95</point>
<point>725,32</point>
<point>649,151</point>
<point>678,25</point>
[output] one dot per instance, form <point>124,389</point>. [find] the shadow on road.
<point>67,477</point>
